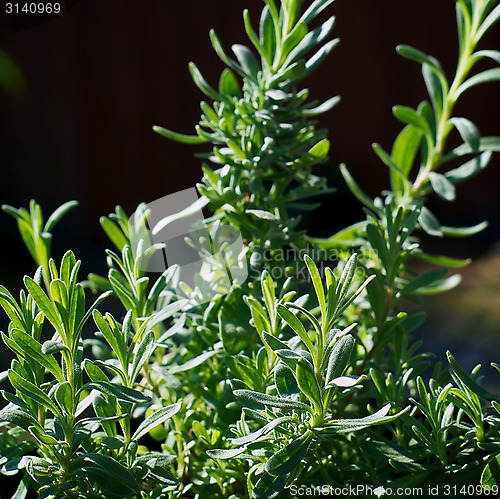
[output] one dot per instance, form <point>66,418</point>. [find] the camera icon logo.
<point>209,257</point>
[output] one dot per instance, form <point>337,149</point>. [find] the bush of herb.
<point>303,375</point>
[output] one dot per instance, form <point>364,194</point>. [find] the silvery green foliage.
<point>282,381</point>
<point>73,415</point>
<point>311,373</point>
<point>263,127</point>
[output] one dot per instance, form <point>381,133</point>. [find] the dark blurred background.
<point>92,82</point>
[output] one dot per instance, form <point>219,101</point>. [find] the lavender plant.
<point>304,375</point>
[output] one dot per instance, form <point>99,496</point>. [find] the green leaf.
<point>443,261</point>
<point>285,381</point>
<point>120,392</point>
<point>275,343</point>
<point>167,312</point>
<point>225,453</point>
<point>42,436</point>
<point>310,40</point>
<point>316,154</point>
<point>490,478</point>
<point>317,283</point>
<point>379,417</point>
<point>259,316</point>
<point>252,35</point>
<point>59,294</point>
<point>247,60</point>
<point>262,214</point>
<point>18,417</point>
<point>58,214</point>
<point>463,379</point>
<point>191,364</point>
<point>202,84</point>
<point>95,373</point>
<point>418,56</point>
<point>291,40</point>
<point>488,144</point>
<point>469,169</point>
<point>314,10</point>
<point>268,292</point>
<point>322,108</point>
<point>442,186</point>
<point>346,381</point>
<point>430,223</point>
<point>157,418</point>
<point>345,281</point>
<point>33,349</point>
<point>43,302</point>
<point>320,150</point>
<point>490,20</point>
<point>269,486</point>
<point>355,189</point>
<point>79,325</point>
<point>478,79</point>
<point>178,137</point>
<point>422,280</point>
<point>436,86</point>
<point>464,231</point>
<point>216,44</point>
<point>22,489</point>
<point>256,435</point>
<point>345,238</point>
<point>411,117</point>
<point>491,54</point>
<point>109,335</point>
<point>267,33</point>
<point>142,355</point>
<point>244,369</point>
<point>440,286</point>
<point>111,476</point>
<point>114,233</point>
<point>339,357</point>
<point>290,456</point>
<point>228,84</point>
<point>271,400</point>
<point>387,160</point>
<point>468,131</point>
<point>404,152</point>
<point>297,326</point>
<point>64,397</point>
<point>32,392</point>
<point>321,55</point>
<point>12,309</point>
<point>308,384</point>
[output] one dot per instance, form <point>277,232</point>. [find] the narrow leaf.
<point>430,223</point>
<point>290,456</point>
<point>468,131</point>
<point>120,392</point>
<point>58,214</point>
<point>157,418</point>
<point>179,137</point>
<point>271,400</point>
<point>442,186</point>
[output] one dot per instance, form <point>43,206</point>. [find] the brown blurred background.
<point>98,77</point>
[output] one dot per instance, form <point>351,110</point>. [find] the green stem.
<point>444,128</point>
